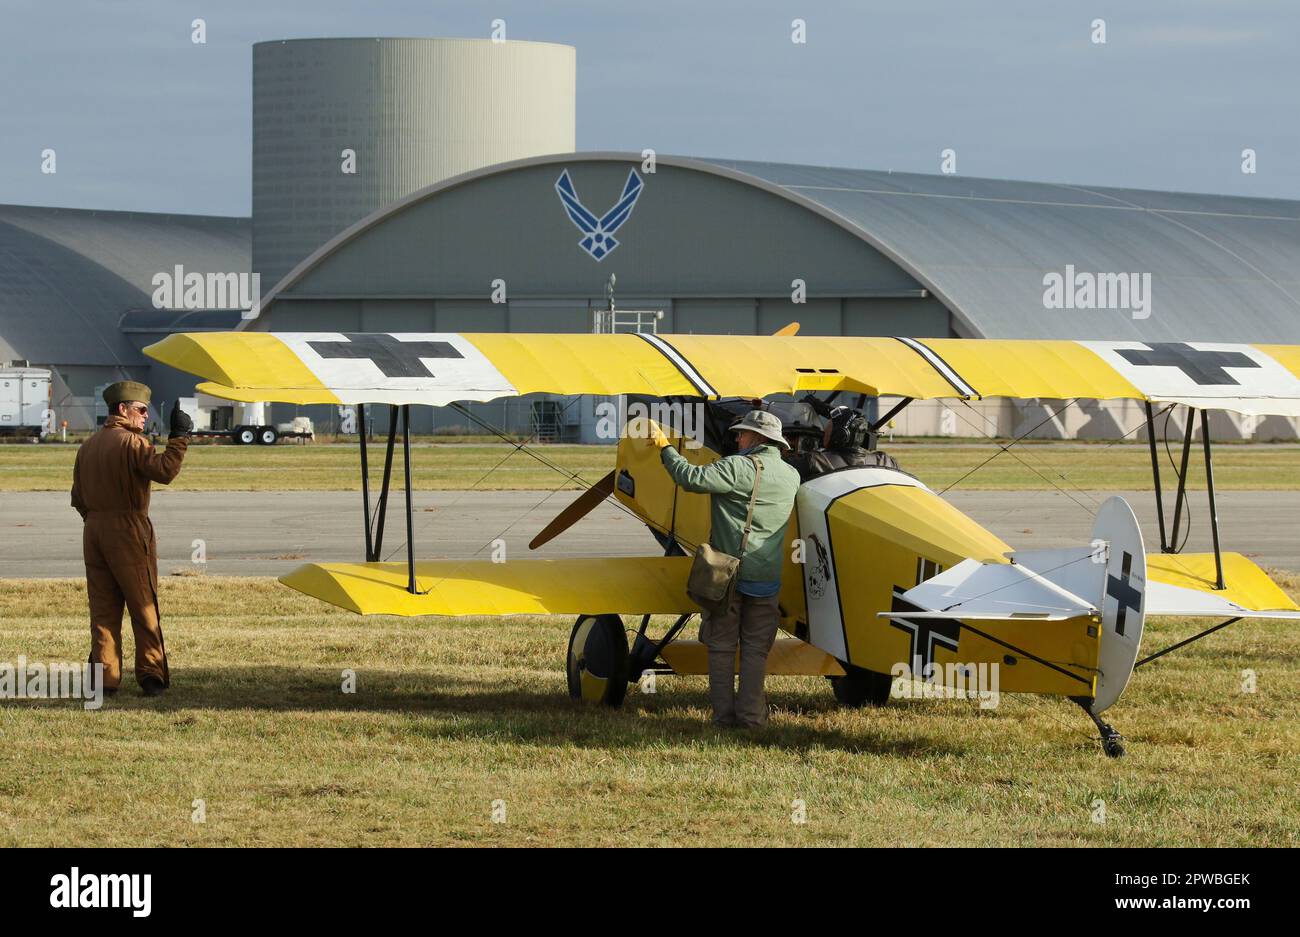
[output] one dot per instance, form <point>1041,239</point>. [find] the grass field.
<point>323,467</point>
<point>453,715</point>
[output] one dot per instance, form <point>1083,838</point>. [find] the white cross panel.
<point>1207,375</point>
<point>355,376</point>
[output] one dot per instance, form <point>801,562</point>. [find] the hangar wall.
<point>690,234</point>
<point>713,254</point>
<point>72,280</point>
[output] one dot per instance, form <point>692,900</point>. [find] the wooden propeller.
<point>582,505</point>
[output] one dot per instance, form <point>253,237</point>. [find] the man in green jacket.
<point>752,619</point>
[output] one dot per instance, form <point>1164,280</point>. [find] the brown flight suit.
<point>110,489</point>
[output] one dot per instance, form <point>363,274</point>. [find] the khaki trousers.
<point>750,624</point>
<point>122,575</point>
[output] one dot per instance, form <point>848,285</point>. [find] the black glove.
<point>181,424</point>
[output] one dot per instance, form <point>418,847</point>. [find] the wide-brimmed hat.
<point>767,425</point>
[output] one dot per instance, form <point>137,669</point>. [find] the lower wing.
<point>1183,585</point>
<point>598,585</point>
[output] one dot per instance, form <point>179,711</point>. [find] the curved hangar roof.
<point>1221,267</point>
<point>68,276</point>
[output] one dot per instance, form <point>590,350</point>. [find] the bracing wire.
<point>569,478</point>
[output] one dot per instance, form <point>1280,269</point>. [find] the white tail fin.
<point>1123,599</point>
<point>1111,573</point>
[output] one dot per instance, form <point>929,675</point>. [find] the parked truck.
<point>24,402</point>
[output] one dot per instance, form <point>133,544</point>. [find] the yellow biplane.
<point>880,570</point>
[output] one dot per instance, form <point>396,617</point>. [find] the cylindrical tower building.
<point>342,127</point>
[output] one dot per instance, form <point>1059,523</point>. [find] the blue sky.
<point>143,119</point>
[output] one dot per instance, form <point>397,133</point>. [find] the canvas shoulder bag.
<point>712,579</point>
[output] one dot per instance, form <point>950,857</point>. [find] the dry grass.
<point>1028,466</point>
<point>451,715</point>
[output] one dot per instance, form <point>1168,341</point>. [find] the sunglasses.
<point>140,409</point>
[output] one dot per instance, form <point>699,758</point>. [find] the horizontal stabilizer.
<point>959,613</point>
<point>985,591</point>
<point>1078,570</point>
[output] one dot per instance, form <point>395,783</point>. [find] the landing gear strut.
<point>600,665</point>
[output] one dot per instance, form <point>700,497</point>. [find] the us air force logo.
<point>598,233</point>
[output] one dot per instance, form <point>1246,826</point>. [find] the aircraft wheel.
<point>597,660</point>
<point>861,687</point>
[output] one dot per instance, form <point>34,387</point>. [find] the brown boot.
<point>152,686</point>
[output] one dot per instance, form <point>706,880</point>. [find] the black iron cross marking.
<point>393,358</point>
<point>1120,588</point>
<point>1203,367</point>
<point>924,632</point>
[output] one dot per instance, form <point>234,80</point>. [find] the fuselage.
<point>858,539</point>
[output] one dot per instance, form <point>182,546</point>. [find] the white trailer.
<point>244,424</point>
<point>24,401</point>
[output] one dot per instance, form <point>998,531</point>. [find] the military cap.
<point>124,391</point>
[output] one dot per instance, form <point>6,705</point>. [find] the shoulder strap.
<point>749,517</point>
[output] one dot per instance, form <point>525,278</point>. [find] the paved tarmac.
<point>269,533</point>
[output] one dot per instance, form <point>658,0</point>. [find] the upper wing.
<point>438,368</point>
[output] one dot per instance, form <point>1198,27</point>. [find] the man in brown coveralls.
<point>110,490</point>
